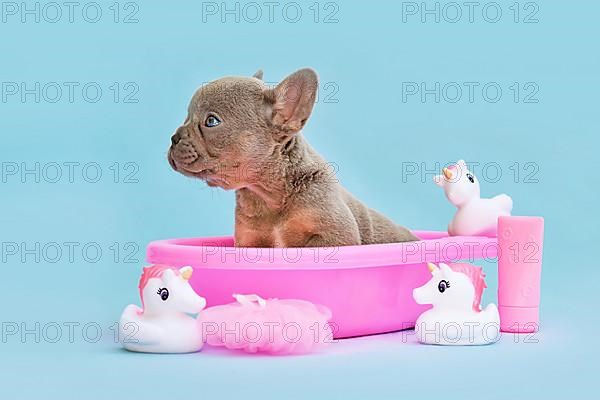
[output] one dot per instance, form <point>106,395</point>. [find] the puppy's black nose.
<point>175,138</point>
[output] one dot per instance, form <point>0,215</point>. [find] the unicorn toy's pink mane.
<point>477,277</point>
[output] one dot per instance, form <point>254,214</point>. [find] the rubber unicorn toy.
<point>474,216</point>
<point>456,317</point>
<point>165,323</point>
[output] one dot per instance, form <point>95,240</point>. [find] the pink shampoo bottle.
<point>520,241</point>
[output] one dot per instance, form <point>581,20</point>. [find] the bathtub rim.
<point>435,246</point>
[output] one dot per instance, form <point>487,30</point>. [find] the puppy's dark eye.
<point>211,121</point>
<point>470,178</point>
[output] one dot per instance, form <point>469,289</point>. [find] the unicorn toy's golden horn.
<point>431,267</point>
<point>447,173</point>
<point>186,273</point>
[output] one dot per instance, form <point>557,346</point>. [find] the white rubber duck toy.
<point>456,317</point>
<point>474,216</point>
<point>166,322</point>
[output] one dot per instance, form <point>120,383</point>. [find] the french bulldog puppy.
<point>241,135</point>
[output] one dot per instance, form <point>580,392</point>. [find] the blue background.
<point>361,124</point>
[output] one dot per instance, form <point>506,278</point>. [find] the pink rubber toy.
<point>271,326</point>
<point>520,241</point>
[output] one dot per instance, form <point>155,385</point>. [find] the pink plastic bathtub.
<point>368,288</point>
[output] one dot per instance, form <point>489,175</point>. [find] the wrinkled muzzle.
<point>186,154</point>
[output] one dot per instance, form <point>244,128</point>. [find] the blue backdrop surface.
<point>91,93</point>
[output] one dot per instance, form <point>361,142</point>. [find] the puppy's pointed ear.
<point>293,100</point>
<point>258,74</point>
